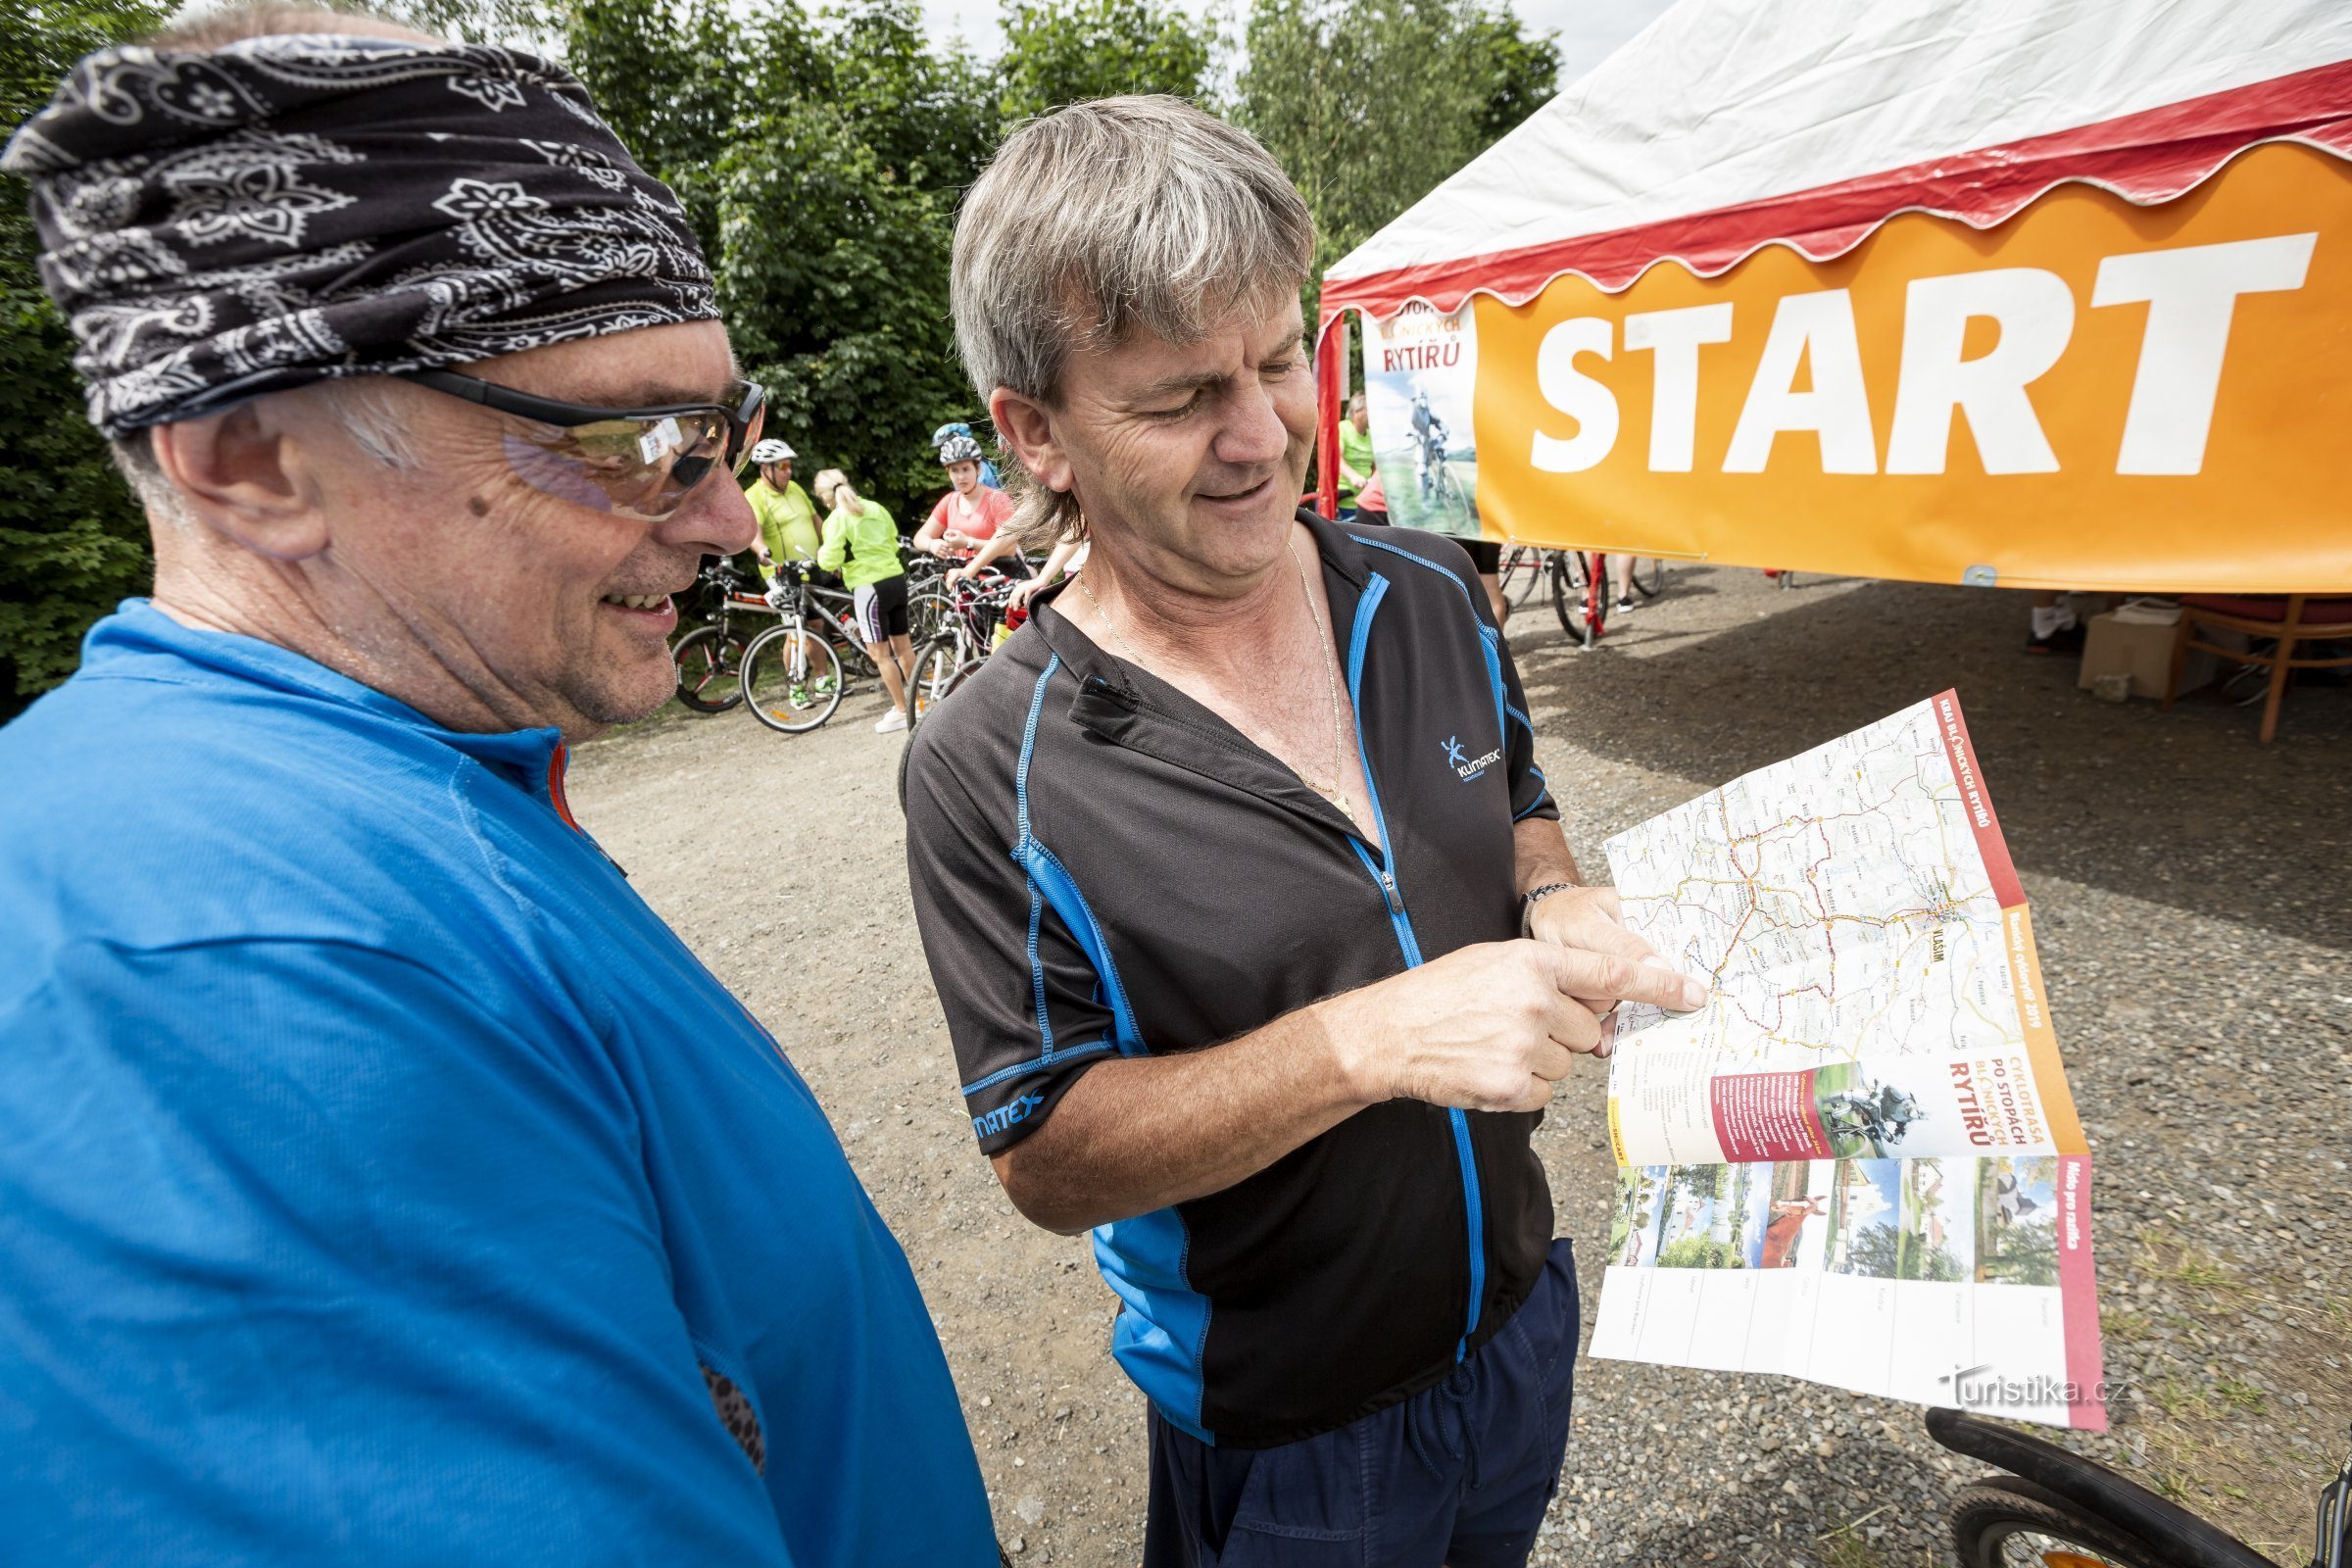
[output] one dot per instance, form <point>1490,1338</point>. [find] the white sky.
<point>1588,29</point>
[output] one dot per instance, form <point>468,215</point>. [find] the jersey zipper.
<point>1383,874</point>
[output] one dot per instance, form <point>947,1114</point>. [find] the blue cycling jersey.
<point>382,1181</point>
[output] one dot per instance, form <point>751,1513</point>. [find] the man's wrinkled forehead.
<point>1143,364</point>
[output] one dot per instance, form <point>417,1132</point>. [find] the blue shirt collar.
<point>139,641</point>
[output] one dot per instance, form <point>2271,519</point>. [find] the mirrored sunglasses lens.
<point>642,467</point>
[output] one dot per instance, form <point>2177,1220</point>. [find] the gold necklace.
<point>1330,792</point>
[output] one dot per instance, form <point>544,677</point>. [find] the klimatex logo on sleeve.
<point>1465,767</point>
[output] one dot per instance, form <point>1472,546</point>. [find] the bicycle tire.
<point>1522,569</point>
<point>1989,1515</point>
<point>700,674</point>
<point>1561,588</point>
<point>1580,612</point>
<point>768,679</point>
<point>932,669</point>
<point>952,679</point>
<point>1650,583</point>
<point>928,613</point>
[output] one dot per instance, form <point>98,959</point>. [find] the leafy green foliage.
<point>1067,51</point>
<point>72,541</point>
<point>1369,104</point>
<point>823,159</point>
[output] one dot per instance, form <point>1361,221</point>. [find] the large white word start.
<point>2191,292</point>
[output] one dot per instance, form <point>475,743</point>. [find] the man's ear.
<point>1027,426</point>
<point>243,474</point>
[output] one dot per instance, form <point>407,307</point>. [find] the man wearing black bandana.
<point>380,1180</point>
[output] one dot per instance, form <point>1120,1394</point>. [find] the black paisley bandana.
<point>288,209</point>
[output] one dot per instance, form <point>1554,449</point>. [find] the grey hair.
<point>1108,218</point>
<point>358,406</point>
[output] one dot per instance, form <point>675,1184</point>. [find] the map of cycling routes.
<point>1859,1162</point>
<point>1837,903</point>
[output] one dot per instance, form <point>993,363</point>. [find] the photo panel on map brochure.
<point>1420,371</point>
<point>1938,1281</point>
<point>1680,1106</point>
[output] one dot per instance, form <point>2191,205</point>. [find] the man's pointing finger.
<point>1607,975</point>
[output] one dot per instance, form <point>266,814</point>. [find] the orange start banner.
<point>2092,395</point>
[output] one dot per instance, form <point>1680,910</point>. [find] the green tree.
<point>822,160</point>
<point>1520,75</point>
<point>2024,1253</point>
<point>1697,1251</point>
<point>1067,51</point>
<point>1369,104</point>
<point>1875,1250</point>
<point>72,541</point>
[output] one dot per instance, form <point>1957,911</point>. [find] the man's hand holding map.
<point>1858,1162</point>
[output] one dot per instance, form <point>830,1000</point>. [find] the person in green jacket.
<point>788,529</point>
<point>1355,455</point>
<point>861,543</point>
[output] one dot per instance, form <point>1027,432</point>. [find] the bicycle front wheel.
<point>937,675</point>
<point>2003,1522</point>
<point>928,616</point>
<point>709,664</point>
<point>934,666</point>
<point>1522,569</point>
<point>791,680</point>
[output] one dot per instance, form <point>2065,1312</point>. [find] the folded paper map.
<point>1859,1164</point>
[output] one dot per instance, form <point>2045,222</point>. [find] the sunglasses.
<point>640,462</point>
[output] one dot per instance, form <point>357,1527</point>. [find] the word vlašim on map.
<point>1859,1164</point>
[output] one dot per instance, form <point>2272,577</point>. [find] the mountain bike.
<point>2056,1509</point>
<point>949,659</point>
<point>796,672</point>
<point>710,658</point>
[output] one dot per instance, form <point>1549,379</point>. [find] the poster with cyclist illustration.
<point>1419,371</point>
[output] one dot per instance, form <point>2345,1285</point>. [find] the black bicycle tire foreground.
<point>707,684</point>
<point>2001,1515</point>
<point>768,679</point>
<point>2058,1493</point>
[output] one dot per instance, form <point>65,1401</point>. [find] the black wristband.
<point>1534,895</point>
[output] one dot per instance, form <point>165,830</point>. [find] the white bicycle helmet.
<point>960,449</point>
<point>768,452</point>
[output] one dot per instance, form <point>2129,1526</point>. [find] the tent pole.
<point>1331,380</point>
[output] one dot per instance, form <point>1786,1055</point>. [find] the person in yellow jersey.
<point>861,543</point>
<point>787,526</point>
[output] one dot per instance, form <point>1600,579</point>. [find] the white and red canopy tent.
<point>1730,127</point>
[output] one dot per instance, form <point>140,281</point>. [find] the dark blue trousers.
<point>1458,1475</point>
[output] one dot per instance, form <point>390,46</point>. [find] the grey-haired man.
<point>1222,865</point>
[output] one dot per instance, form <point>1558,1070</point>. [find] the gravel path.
<point>2193,929</point>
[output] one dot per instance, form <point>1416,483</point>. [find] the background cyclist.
<point>787,526</point>
<point>969,515</point>
<point>988,470</point>
<point>861,543</point>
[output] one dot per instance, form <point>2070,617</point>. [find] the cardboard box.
<point>2142,651</point>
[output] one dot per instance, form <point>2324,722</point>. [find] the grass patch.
<point>2241,1396</point>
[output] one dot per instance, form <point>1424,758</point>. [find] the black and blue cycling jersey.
<point>1102,867</point>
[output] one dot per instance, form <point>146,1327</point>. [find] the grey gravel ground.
<point>2189,896</point>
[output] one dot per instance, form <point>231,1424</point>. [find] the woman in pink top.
<point>969,515</point>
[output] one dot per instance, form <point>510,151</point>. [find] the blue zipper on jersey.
<point>1383,874</point>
